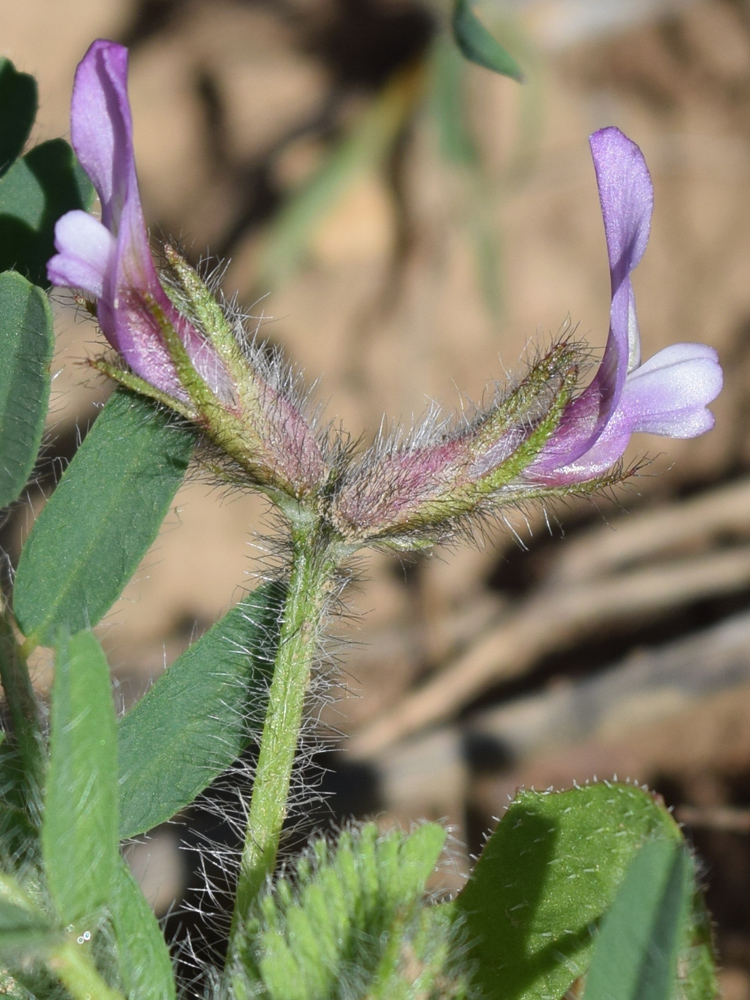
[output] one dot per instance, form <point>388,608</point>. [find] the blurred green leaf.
<point>486,238</point>
<point>364,148</point>
<point>143,956</point>
<point>635,952</point>
<point>12,894</point>
<point>18,104</point>
<point>24,930</point>
<point>478,45</point>
<point>79,827</point>
<point>19,808</point>
<point>26,346</point>
<point>199,716</point>
<point>105,512</point>
<point>450,116</point>
<point>448,104</point>
<point>351,920</point>
<point>545,879</point>
<point>34,193</point>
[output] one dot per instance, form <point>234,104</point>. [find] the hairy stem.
<point>313,568</point>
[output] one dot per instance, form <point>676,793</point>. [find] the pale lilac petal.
<point>668,395</point>
<point>144,349</point>
<point>626,195</point>
<point>85,253</point>
<point>562,461</point>
<point>677,354</point>
<point>627,199</point>
<point>135,282</point>
<point>587,418</point>
<point>571,437</point>
<point>101,126</point>
<point>127,286</point>
<point>608,449</point>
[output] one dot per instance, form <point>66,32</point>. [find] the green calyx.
<point>540,400</point>
<point>262,427</point>
<point>191,296</point>
<point>135,383</point>
<point>473,480</point>
<point>226,425</point>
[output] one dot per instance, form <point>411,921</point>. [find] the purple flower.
<point>546,436</point>
<point>110,260</point>
<point>666,395</point>
<point>175,338</point>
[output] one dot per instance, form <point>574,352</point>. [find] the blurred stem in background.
<point>436,85</point>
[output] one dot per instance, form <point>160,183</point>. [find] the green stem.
<point>74,968</point>
<point>19,694</point>
<point>312,570</point>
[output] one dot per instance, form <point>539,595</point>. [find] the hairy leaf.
<point>199,716</point>
<point>545,879</point>
<point>79,827</point>
<point>26,345</point>
<point>18,103</point>
<point>635,953</point>
<point>37,189</point>
<point>351,921</point>
<point>105,512</point>
<point>143,956</point>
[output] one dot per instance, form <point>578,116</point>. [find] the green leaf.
<point>143,956</point>
<point>34,193</point>
<point>478,45</point>
<point>97,525</point>
<point>636,950</point>
<point>79,828</point>
<point>18,104</point>
<point>458,147</point>
<point>199,716</point>
<point>545,879</point>
<point>351,921</point>
<point>26,346</point>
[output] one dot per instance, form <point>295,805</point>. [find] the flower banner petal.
<point>627,199</point>
<point>101,125</point>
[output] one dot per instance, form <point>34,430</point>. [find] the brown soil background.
<point>602,639</point>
